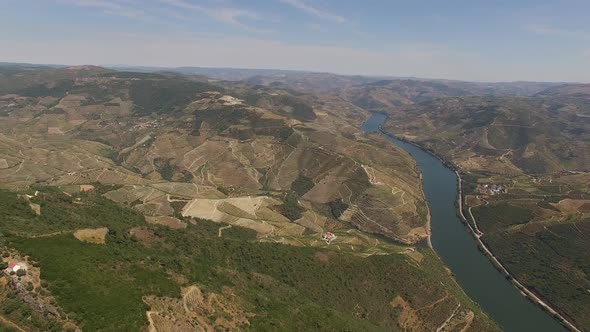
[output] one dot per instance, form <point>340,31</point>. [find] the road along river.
<point>459,250</point>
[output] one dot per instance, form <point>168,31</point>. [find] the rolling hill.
<point>525,165</point>
<point>201,203</point>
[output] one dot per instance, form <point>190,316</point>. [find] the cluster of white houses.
<point>495,189</point>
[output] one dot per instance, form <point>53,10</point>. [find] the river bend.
<point>458,249</point>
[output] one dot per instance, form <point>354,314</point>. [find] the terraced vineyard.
<point>149,187</point>
<point>525,164</point>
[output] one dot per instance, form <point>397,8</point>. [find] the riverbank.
<point>428,216</point>
<point>476,234</point>
<point>523,289</point>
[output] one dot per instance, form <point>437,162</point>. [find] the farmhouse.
<point>14,266</point>
<point>328,237</point>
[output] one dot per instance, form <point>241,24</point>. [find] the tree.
<point>290,207</point>
<point>337,207</point>
<point>302,184</point>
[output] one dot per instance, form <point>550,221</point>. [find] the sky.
<point>476,40</point>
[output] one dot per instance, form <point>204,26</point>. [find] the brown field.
<point>156,207</point>
<point>157,199</point>
<point>496,165</point>
<point>105,176</point>
<point>144,235</point>
<point>407,319</point>
<point>166,221</point>
<point>86,187</point>
<point>196,311</point>
<point>568,206</point>
<point>188,190</point>
<point>96,235</point>
<point>313,221</point>
<point>249,212</point>
<point>472,200</point>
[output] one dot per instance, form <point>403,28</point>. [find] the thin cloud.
<point>107,5</point>
<point>178,9</point>
<point>112,8</point>
<point>313,11</point>
<point>228,15</point>
<point>548,30</point>
<point>543,29</point>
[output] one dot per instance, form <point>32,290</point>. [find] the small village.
<point>493,189</point>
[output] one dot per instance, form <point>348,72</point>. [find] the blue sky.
<point>456,39</point>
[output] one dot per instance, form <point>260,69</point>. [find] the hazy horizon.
<point>122,67</point>
<point>485,42</point>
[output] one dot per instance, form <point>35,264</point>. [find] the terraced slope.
<point>94,125</point>
<point>525,163</point>
<point>154,185</point>
<point>510,135</point>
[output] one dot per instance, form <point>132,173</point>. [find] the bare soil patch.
<point>166,221</point>
<point>54,131</point>
<point>36,208</point>
<point>407,319</point>
<point>197,311</point>
<point>144,235</point>
<point>460,322</point>
<point>496,165</point>
<point>574,205</point>
<point>247,211</point>
<point>96,235</point>
<point>86,187</point>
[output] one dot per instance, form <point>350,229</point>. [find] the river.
<point>458,249</point>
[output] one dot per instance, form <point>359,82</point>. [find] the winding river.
<point>458,249</point>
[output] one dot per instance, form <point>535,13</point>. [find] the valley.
<point>524,163</point>
<point>294,165</point>
<point>276,182</point>
<point>111,175</point>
